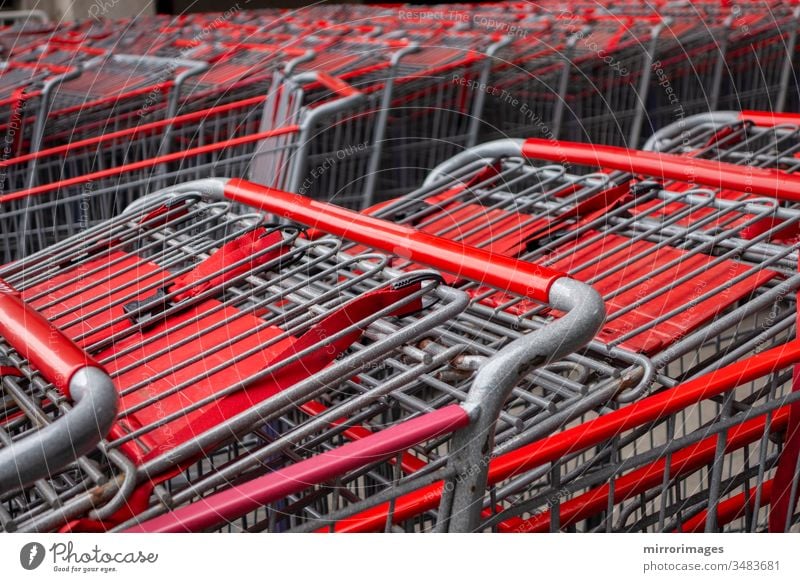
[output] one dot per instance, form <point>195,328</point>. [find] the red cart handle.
<point>335,84</point>
<point>38,341</point>
<point>232,503</point>
<point>479,265</point>
<point>75,374</point>
<point>769,119</point>
<point>711,173</point>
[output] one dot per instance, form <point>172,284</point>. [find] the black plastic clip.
<point>645,186</point>
<point>146,309</point>
<point>411,209</point>
<point>416,277</point>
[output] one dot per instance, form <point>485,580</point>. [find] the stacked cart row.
<point>365,100</point>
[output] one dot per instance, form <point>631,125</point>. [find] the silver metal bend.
<point>490,150</point>
<point>78,432</point>
<point>460,509</point>
<point>662,139</point>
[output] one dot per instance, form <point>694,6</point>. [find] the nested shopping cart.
<point>411,108</point>
<point>739,59</point>
<point>752,139</point>
<point>697,263</point>
<point>217,141</point>
<point>231,86</point>
<point>63,190</point>
<point>101,92</point>
<point>581,78</point>
<point>210,348</point>
<point>760,61</point>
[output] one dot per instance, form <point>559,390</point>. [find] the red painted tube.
<point>336,85</point>
<point>38,341</point>
<point>746,179</point>
<point>730,509</point>
<point>479,265</point>
<point>682,462</point>
<point>591,433</point>
<point>783,503</point>
<point>768,119</point>
<point>144,164</point>
<point>241,499</point>
<point>648,410</point>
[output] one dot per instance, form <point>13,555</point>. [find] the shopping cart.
<point>752,139</point>
<point>259,332</point>
<point>21,27</point>
<point>229,85</point>
<point>579,78</point>
<point>317,344</point>
<point>659,66</point>
<point>216,142</point>
<point>759,60</point>
<point>695,279</point>
<point>741,57</point>
<point>183,133</point>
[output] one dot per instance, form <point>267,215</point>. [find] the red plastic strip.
<point>621,250</point>
<point>748,179</point>
<point>479,265</point>
<point>318,469</point>
<point>219,263</point>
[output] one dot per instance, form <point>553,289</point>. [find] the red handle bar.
<point>760,181</point>
<point>498,271</point>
